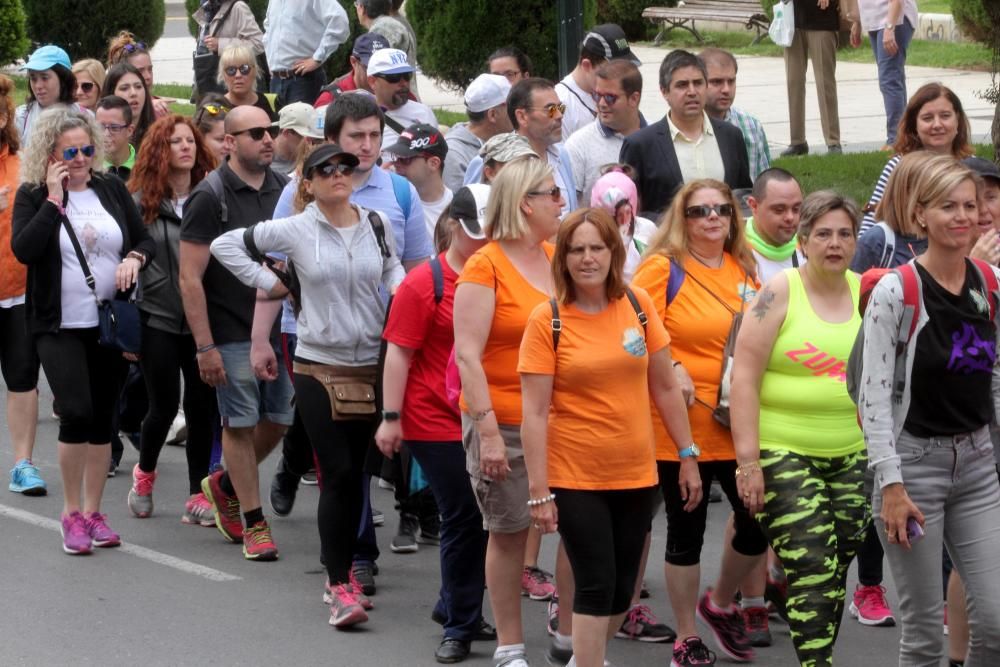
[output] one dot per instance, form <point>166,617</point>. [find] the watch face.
<point>695,450</point>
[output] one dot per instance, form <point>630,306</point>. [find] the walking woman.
<point>174,160</point>
<point>50,83</point>
<point>927,430</point>
<point>125,81</point>
<point>702,242</point>
<point>63,194</point>
<point>421,335</point>
<point>342,254</point>
<point>591,456</point>
<point>795,428</point>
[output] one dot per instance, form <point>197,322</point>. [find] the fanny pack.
<point>351,389</point>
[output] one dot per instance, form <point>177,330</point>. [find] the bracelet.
<point>206,348</point>
<point>135,254</point>
<point>541,501</point>
<point>56,203</point>
<point>676,364</point>
<point>480,416</point>
<point>745,469</point>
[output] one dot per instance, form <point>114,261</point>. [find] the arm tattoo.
<point>764,301</point>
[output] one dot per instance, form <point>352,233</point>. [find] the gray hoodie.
<point>463,145</point>
<point>342,313</point>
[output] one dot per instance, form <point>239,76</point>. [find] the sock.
<point>226,484</point>
<point>253,516</point>
<point>562,641</point>
<point>752,603</point>
<point>508,650</point>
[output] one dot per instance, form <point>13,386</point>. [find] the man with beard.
<point>389,74</point>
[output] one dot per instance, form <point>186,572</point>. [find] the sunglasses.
<point>551,110</point>
<point>330,168</point>
<point>703,211</point>
<point>395,78</point>
<point>555,193</point>
<point>608,98</point>
<point>86,86</point>
<point>407,160</point>
<point>257,133</point>
<point>71,152</point>
<point>243,69</point>
<point>133,47</point>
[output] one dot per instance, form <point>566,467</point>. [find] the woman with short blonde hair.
<point>506,219</point>
<point>238,73</point>
<point>89,81</point>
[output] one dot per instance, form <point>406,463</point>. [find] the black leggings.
<point>165,356</point>
<point>18,359</point>
<point>340,448</point>
<point>604,533</point>
<point>85,379</point>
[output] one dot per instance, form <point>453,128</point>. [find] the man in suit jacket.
<point>686,144</point>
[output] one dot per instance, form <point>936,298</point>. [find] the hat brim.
<point>402,149</point>
<point>472,228</point>
<point>40,65</point>
<point>400,69</point>
<point>629,56</point>
<point>323,158</point>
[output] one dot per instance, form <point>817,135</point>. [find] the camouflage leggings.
<point>815,514</point>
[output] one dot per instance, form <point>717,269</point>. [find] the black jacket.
<point>161,304</point>
<point>650,152</point>
<point>35,242</point>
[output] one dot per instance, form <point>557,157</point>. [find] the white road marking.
<point>180,564</point>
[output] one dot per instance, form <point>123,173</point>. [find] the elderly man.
<point>486,106</point>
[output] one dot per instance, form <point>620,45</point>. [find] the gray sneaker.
<point>556,655</point>
<point>516,660</point>
<point>406,538</point>
<point>140,496</point>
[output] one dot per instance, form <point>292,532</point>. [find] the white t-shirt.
<point>406,115</point>
<point>644,230</point>
<point>766,268</point>
<point>347,233</point>
<point>101,240</point>
<point>580,106</point>
<point>432,211</point>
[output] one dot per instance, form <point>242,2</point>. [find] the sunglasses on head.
<point>609,98</point>
<point>257,133</point>
<point>395,78</point>
<point>704,210</point>
<point>86,86</point>
<point>133,47</point>
<point>551,110</point>
<point>331,168</point>
<point>71,152</point>
<point>243,69</point>
<point>555,193</point>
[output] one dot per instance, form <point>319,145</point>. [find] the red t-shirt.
<point>416,322</point>
<point>345,83</point>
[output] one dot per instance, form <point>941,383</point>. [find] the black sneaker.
<point>642,625</point>
<point>310,479</point>
<point>727,628</point>
<point>692,653</point>
<point>284,486</point>
<point>378,517</point>
<point>795,149</point>
<point>405,541</point>
<point>363,574</point>
<point>430,530</point>
<point>714,494</point>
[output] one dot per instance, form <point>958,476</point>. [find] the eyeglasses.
<point>609,98</point>
<point>85,86</point>
<point>704,210</point>
<point>509,74</point>
<point>407,160</point>
<point>395,78</point>
<point>330,168</point>
<point>257,133</point>
<point>133,47</point>
<point>555,193</point>
<point>551,110</point>
<point>71,152</point>
<point>112,128</point>
<point>243,69</point>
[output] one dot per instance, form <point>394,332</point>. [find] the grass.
<point>934,6</point>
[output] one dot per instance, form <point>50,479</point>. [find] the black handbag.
<point>118,323</point>
<point>205,64</point>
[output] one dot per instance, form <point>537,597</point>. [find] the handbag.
<point>205,63</point>
<point>782,28</point>
<point>118,325</point>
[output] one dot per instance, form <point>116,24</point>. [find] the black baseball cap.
<point>323,154</point>
<point>609,39</point>
<point>984,168</point>
<point>468,206</point>
<point>420,139</point>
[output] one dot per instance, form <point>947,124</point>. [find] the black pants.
<point>85,379</point>
<point>165,357</point>
<point>18,358</point>
<point>340,448</point>
<point>604,533</point>
<point>870,557</point>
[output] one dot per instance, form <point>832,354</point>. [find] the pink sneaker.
<point>100,532</point>
<point>345,608</point>
<point>537,584</point>
<point>870,607</point>
<point>76,539</point>
<point>140,496</point>
<point>363,600</point>
<point>198,511</point>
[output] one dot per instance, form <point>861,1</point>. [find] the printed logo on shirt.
<point>747,291</point>
<point>819,362</point>
<point>633,342</point>
<point>970,353</point>
<point>980,301</point>
<point>89,239</point>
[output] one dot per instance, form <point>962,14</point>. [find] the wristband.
<point>206,348</point>
<point>535,502</point>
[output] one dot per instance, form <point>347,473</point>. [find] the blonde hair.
<point>896,206</point>
<point>671,239</point>
<point>505,221</point>
<point>45,133</point>
<point>936,179</point>
<point>93,69</point>
<point>238,53</point>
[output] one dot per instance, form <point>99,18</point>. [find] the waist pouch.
<point>351,388</point>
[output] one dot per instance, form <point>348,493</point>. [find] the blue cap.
<point>366,44</point>
<point>47,56</point>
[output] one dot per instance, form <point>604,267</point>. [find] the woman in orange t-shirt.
<point>497,290</point>
<point>702,236</point>
<point>587,433</point>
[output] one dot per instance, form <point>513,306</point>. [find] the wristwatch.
<point>390,415</point>
<point>694,450</point>
<point>889,26</point>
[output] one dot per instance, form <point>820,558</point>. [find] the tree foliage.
<point>14,42</point>
<point>84,29</point>
<point>628,14</point>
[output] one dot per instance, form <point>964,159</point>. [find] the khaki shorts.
<point>503,504</point>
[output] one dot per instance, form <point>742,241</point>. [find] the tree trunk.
<point>996,134</point>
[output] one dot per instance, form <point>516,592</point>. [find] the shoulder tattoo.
<point>763,305</point>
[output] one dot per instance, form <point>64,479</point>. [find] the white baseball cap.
<point>388,61</point>
<point>486,91</point>
<point>301,118</point>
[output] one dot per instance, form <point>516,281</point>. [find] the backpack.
<point>912,305</point>
<point>889,247</point>
<point>557,323</point>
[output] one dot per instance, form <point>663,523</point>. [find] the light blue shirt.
<point>299,29</point>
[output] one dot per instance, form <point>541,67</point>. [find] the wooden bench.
<point>745,12</point>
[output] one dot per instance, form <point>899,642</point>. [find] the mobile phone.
<point>914,532</point>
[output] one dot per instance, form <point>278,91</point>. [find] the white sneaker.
<point>177,433</point>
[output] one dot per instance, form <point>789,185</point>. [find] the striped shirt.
<point>869,219</point>
<point>755,139</point>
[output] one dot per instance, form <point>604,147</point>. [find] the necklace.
<point>704,262</point>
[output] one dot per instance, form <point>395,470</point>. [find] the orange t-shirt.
<point>698,325</point>
<point>599,433</point>
<point>514,299</point>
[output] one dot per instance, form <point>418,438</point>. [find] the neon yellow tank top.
<point>804,406</point>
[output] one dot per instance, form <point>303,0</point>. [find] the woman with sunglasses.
<point>173,161</point>
<point>341,264</point>
<point>89,81</point>
<point>51,83</point>
<point>700,272</point>
<point>125,81</point>
<point>208,118</point>
<point>125,48</point>
<point>795,427</point>
<point>238,72</point>
<point>63,193</point>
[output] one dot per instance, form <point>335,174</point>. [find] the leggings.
<point>340,447</point>
<point>85,379</point>
<point>815,516</point>
<point>165,357</point>
<point>18,359</point>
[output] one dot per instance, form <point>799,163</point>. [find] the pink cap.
<point>611,189</point>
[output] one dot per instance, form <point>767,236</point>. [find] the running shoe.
<point>76,539</point>
<point>378,517</point>
<point>870,607</point>
<point>363,576</point>
<point>644,591</point>
<point>558,655</point>
<point>112,468</point>
<point>345,609</point>
<point>226,508</point>
<point>511,660</point>
<point>24,478</point>
<point>177,433</point>
<point>140,496</point>
<point>258,543</point>
<point>363,600</point>
<point>100,532</point>
<point>692,653</point>
<point>757,629</point>
<point>776,594</point>
<point>537,584</point>
<point>405,541</point>
<point>642,625</point>
<point>198,511</point>
<point>727,628</point>
<point>310,478</point>
<point>430,530</point>
<point>552,616</point>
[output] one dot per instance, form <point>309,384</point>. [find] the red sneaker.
<point>363,599</point>
<point>537,584</point>
<point>258,544</point>
<point>225,507</point>
<point>345,608</point>
<point>870,607</point>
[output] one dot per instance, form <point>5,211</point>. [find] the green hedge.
<point>84,28</point>
<point>14,42</point>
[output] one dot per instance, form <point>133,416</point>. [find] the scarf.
<point>771,252</point>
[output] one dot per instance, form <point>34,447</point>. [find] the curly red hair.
<point>152,165</point>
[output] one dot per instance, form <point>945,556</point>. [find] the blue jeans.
<point>463,540</point>
<point>298,88</point>
<point>953,481</point>
<point>892,76</point>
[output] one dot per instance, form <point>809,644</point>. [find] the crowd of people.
<point>459,312</point>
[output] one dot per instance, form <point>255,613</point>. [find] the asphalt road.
<point>179,595</point>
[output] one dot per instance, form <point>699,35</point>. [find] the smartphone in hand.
<point>914,532</point>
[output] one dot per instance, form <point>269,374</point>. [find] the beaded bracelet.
<point>541,501</point>
<point>747,468</point>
